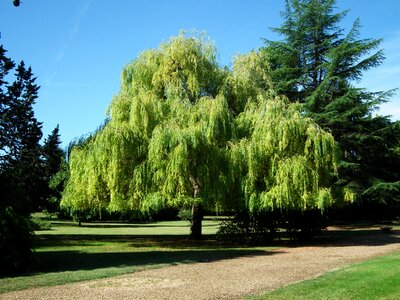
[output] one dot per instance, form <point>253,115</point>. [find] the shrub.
<point>15,241</point>
<point>262,227</point>
<point>248,228</point>
<point>301,226</point>
<point>40,224</point>
<point>185,214</point>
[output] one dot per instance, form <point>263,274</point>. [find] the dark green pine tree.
<point>53,158</point>
<point>20,165</point>
<point>27,132</point>
<point>317,64</point>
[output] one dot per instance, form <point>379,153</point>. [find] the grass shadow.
<point>143,241</point>
<point>61,261</point>
<point>350,237</point>
<point>176,249</point>
<point>60,253</point>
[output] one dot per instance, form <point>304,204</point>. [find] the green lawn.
<point>378,278</point>
<point>68,253</point>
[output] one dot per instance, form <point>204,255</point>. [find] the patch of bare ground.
<point>230,278</point>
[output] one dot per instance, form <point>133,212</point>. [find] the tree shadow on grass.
<point>61,261</point>
<point>353,237</point>
<point>162,241</point>
<point>171,250</point>
<point>60,253</point>
<point>328,238</point>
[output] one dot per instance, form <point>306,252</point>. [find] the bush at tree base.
<point>264,227</point>
<point>185,214</point>
<point>247,228</point>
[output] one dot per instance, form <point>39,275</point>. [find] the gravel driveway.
<point>224,279</point>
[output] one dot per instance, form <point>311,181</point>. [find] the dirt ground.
<point>226,279</point>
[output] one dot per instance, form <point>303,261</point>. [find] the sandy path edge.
<point>224,279</point>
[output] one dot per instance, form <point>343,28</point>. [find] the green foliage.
<point>185,132</point>
<point>38,223</point>
<point>20,166</point>
<point>264,226</point>
<point>317,65</point>
<point>285,161</point>
<point>55,171</point>
<point>159,125</point>
<point>185,214</point>
<point>248,228</point>
<point>57,185</point>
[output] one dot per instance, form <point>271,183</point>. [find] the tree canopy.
<point>184,131</point>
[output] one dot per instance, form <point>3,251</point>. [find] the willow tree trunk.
<point>197,212</point>
<point>197,218</point>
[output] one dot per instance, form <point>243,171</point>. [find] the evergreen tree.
<point>57,185</point>
<point>20,133</point>
<point>318,65</point>
<point>53,161</point>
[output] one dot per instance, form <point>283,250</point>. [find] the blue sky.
<point>77,48</point>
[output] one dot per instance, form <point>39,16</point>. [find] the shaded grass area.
<point>377,278</point>
<point>68,253</point>
<point>371,236</point>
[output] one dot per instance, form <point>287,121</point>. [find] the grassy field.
<point>378,278</point>
<point>68,253</point>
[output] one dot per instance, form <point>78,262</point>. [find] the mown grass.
<point>69,253</point>
<point>378,278</point>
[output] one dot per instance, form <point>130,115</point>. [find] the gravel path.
<point>224,279</point>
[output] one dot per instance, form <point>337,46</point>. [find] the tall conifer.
<point>20,164</point>
<point>318,64</point>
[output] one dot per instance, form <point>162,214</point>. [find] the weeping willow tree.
<point>185,132</point>
<point>165,142</point>
<point>281,160</point>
